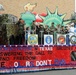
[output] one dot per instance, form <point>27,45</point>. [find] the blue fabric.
<point>26,36</point>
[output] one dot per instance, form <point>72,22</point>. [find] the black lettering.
<point>62,48</point>
<point>2,64</point>
<point>30,57</point>
<point>36,48</point>
<point>12,53</point>
<point>25,58</point>
<point>28,53</point>
<point>39,53</point>
<point>0,48</point>
<point>6,48</point>
<point>4,58</point>
<point>49,52</point>
<point>1,53</point>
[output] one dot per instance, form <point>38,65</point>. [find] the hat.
<point>52,22</point>
<point>72,24</point>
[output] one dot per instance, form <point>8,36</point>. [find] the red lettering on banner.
<point>62,47</point>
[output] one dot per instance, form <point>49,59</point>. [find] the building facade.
<point>16,7</point>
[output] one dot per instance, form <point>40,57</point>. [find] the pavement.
<point>52,72</point>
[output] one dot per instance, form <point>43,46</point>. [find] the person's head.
<point>52,24</point>
<point>46,26</point>
<point>66,27</point>
<point>39,26</point>
<point>21,21</point>
<point>33,22</point>
<point>62,27</point>
<point>72,24</point>
<point>27,28</point>
<point>58,25</point>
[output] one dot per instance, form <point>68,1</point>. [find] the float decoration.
<point>28,16</point>
<point>53,17</point>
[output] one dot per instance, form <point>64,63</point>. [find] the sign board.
<point>32,39</point>
<point>48,39</point>
<point>35,58</point>
<point>61,39</point>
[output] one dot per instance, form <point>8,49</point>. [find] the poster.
<point>32,39</point>
<point>48,39</point>
<point>61,39</point>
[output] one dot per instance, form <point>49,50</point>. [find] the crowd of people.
<point>23,31</point>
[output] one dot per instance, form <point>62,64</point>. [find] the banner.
<point>48,39</point>
<point>32,39</point>
<point>35,58</point>
<point>61,39</point>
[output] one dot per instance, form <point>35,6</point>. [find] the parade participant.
<point>58,28</point>
<point>41,35</point>
<point>46,29</point>
<point>33,27</point>
<point>75,24</point>
<point>62,31</point>
<point>71,29</point>
<point>66,30</point>
<point>53,32</point>
<point>27,32</point>
<point>37,29</point>
<point>12,40</point>
<point>20,26</point>
<point>52,28</point>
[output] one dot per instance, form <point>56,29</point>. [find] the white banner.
<point>61,39</point>
<point>32,39</point>
<point>48,39</point>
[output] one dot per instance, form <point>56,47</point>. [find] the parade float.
<point>34,57</point>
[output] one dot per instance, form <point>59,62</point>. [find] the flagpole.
<point>41,36</point>
<point>48,32</point>
<point>25,34</point>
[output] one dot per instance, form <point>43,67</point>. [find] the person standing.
<point>41,35</point>
<point>53,31</point>
<point>20,25</point>
<point>33,28</point>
